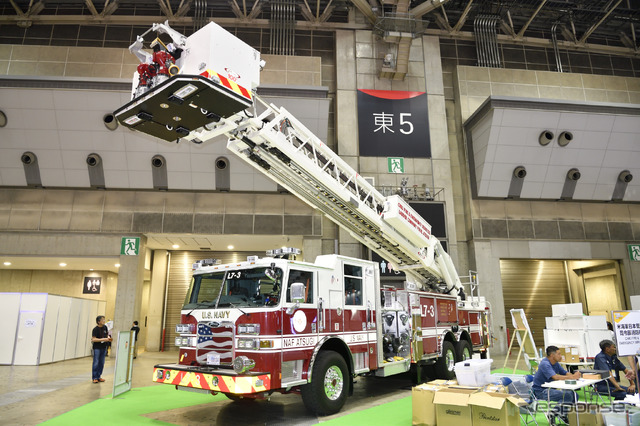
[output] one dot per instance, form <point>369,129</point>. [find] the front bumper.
<point>211,379</point>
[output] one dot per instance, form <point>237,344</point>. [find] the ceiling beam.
<point>326,13</point>
<point>91,8</point>
<point>165,6</point>
<point>17,9</point>
<point>255,9</point>
<point>426,7</point>
<point>365,8</point>
<point>586,35</point>
<point>524,28</point>
<point>183,8</point>
<point>463,17</point>
<point>236,9</point>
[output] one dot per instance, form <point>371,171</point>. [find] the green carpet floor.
<point>129,408</point>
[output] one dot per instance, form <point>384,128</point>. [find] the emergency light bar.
<point>283,251</point>
<point>205,262</point>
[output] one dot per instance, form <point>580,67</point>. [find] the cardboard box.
<point>496,388</point>
<point>570,354</point>
<point>591,417</point>
<point>452,406</point>
<point>591,376</point>
<point>488,408</point>
<point>423,410</point>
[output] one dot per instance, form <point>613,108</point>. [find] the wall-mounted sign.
<point>634,252</point>
<point>92,285</point>
<point>393,123</point>
<point>395,164</point>
<point>130,246</point>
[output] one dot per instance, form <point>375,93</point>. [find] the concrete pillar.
<point>156,300</point>
<point>129,292</point>
<point>490,279</point>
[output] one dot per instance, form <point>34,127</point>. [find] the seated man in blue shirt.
<point>549,370</point>
<point>607,360</point>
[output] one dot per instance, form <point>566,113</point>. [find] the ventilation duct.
<point>623,180</point>
<point>159,172</point>
<point>517,180</point>
<point>485,31</point>
<point>545,137</point>
<point>31,169</point>
<point>570,182</point>
<point>565,138</point>
<point>282,26</point>
<point>96,172</point>
<point>223,174</point>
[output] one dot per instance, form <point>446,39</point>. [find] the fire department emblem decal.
<point>299,321</point>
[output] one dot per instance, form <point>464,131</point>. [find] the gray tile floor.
<point>32,394</point>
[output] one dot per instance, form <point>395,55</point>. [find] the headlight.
<point>242,364</point>
<point>248,328</point>
<point>185,328</point>
<point>247,343</point>
<point>190,341</point>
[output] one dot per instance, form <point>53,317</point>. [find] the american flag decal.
<point>218,339</point>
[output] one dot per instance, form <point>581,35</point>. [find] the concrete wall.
<point>503,229</point>
<point>63,283</point>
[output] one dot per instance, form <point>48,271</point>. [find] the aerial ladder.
<point>208,95</point>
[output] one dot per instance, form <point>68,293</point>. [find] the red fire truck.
<point>277,324</point>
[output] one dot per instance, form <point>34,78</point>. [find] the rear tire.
<point>444,365</point>
<point>463,351</point>
<point>329,387</point>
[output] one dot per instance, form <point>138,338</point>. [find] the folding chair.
<point>522,388</point>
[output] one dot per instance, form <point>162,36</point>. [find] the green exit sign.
<point>396,164</point>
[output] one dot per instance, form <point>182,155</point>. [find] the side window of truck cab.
<point>304,277</point>
<point>352,285</point>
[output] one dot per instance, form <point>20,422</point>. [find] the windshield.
<point>245,288</point>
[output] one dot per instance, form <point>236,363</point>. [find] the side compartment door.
<point>429,331</point>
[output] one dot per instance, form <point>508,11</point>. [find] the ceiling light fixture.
<point>62,264</point>
<point>230,247</point>
<point>175,246</point>
<point>7,263</point>
<point>117,265</point>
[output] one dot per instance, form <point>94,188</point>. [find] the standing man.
<point>136,330</point>
<point>608,360</point>
<point>548,371</point>
<point>100,338</point>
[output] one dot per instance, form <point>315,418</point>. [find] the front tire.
<point>444,365</point>
<point>329,387</point>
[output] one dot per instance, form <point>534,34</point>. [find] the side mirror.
<point>297,291</point>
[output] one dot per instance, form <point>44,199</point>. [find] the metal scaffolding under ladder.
<point>281,147</point>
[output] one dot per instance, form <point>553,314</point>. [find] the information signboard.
<point>626,325</point>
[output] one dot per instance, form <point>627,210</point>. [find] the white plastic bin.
<point>473,372</point>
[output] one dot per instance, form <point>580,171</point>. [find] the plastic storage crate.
<point>473,372</point>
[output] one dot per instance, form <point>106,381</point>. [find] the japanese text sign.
<point>393,124</point>
<point>627,328</point>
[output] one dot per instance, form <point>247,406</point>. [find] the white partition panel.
<point>63,326</point>
<point>93,313</point>
<point>9,313</point>
<point>72,332</point>
<point>50,326</point>
<point>84,336</point>
<point>30,327</point>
